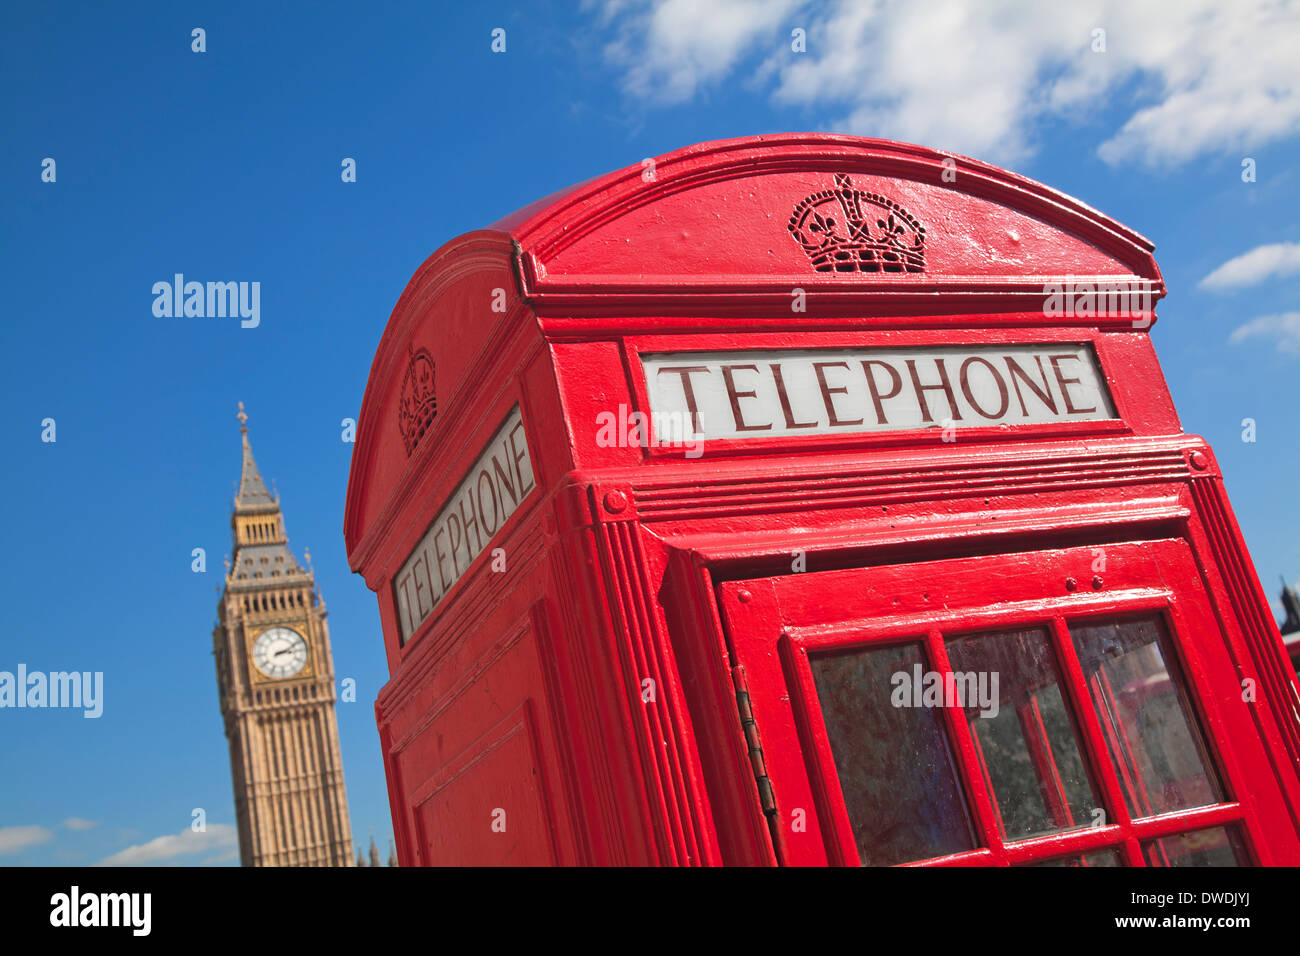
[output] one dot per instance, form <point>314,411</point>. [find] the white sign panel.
<point>697,396</point>
<point>488,494</point>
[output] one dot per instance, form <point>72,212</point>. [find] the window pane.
<point>895,764</point>
<point>1095,858</point>
<point>1024,734</point>
<point>1146,717</point>
<point>1217,846</point>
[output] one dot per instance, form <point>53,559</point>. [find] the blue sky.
<point>226,165</point>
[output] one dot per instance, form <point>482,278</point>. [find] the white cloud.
<point>1263,262</point>
<point>13,839</point>
<point>1204,77</point>
<point>77,823</point>
<point>668,49</point>
<point>958,76</point>
<point>1227,74</point>
<point>1285,328</point>
<point>218,837</point>
<point>229,855</point>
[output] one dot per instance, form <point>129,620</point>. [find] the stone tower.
<point>275,681</point>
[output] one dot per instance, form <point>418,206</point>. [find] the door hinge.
<point>765,795</point>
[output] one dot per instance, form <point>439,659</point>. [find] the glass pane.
<point>895,763</point>
<point>1217,846</point>
<point>1095,858</point>
<point>1146,717</point>
<point>1024,734</point>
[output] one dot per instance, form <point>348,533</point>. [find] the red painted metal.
<point>860,608</point>
<point>576,694</point>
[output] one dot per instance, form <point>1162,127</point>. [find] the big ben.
<point>275,681</point>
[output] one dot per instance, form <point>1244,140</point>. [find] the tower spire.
<point>275,675</point>
<point>252,489</point>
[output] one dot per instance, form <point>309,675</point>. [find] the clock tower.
<point>275,681</point>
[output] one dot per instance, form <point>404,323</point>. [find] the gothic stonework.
<point>275,680</point>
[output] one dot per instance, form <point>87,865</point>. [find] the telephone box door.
<point>1074,707</point>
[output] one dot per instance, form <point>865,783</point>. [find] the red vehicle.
<point>801,500</point>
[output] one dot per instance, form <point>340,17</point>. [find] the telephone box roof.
<point>716,237</point>
<point>662,199</point>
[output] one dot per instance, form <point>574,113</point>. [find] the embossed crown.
<point>417,406</point>
<point>847,230</point>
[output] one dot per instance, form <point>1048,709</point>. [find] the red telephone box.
<point>809,499</point>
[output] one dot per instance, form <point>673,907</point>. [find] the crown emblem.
<point>847,230</point>
<point>417,407</point>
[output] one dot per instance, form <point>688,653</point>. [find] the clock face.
<point>280,652</point>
